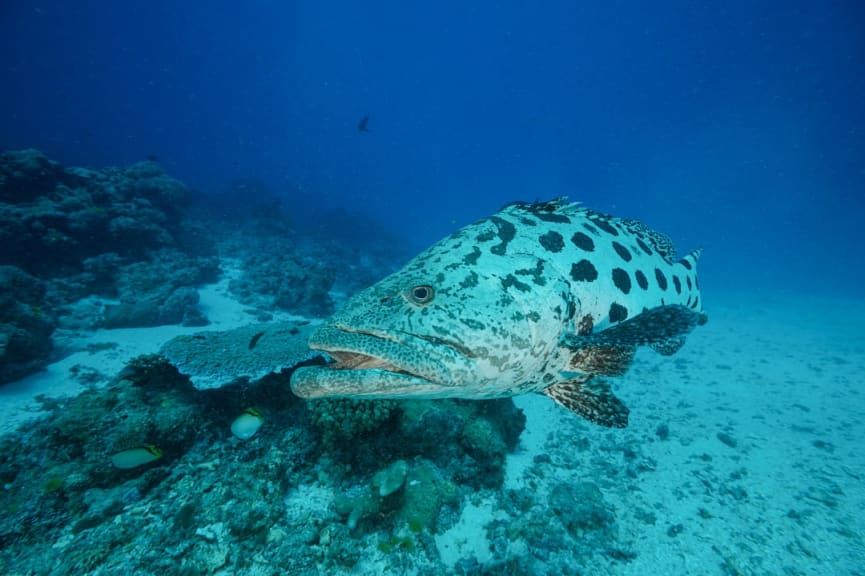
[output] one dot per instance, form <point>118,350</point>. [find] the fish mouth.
<point>371,364</point>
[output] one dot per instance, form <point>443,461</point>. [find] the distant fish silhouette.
<point>361,126</point>
<point>152,158</point>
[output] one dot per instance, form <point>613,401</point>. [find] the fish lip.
<point>374,364</point>
<point>351,355</point>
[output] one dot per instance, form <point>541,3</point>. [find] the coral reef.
<point>160,291</point>
<point>54,218</point>
<point>25,324</point>
<point>278,275</point>
<point>117,233</point>
<point>279,501</point>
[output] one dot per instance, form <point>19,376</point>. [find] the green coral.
<point>341,419</point>
<point>426,492</point>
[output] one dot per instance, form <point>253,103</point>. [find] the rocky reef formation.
<point>26,324</point>
<point>52,219</point>
<point>71,233</point>
<point>279,274</point>
<point>145,475</point>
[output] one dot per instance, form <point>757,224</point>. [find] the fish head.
<point>452,323</point>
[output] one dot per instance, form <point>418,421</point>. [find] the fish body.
<point>542,297</point>
<point>135,457</point>
<point>247,424</point>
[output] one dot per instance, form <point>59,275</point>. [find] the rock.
<point>727,439</point>
<point>52,219</point>
<point>25,325</point>
<point>580,507</point>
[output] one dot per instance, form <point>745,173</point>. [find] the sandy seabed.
<point>748,444</point>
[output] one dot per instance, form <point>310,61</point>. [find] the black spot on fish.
<point>688,282</point>
<point>622,252</point>
<point>533,316</point>
<point>474,324</point>
<point>552,241</point>
<point>472,258</point>
<point>583,242</point>
<point>662,280</point>
<point>572,309</point>
<point>486,236</point>
<point>677,284</point>
<point>644,247</point>
<point>621,280</point>
<point>254,340</point>
<point>586,325</point>
<point>618,312</point>
<point>507,231</point>
<point>606,227</point>
<point>537,273</point>
<point>590,228</point>
<point>684,262</point>
<point>641,279</point>
<point>584,271</point>
<point>695,303</point>
<point>470,281</point>
<point>511,280</point>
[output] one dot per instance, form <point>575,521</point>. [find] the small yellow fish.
<point>135,457</point>
<point>247,424</point>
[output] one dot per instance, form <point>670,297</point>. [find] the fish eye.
<point>421,295</point>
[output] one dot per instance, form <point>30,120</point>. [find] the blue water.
<point>736,127</point>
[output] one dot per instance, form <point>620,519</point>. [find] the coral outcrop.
<point>53,218</point>
<point>26,324</point>
<point>118,233</point>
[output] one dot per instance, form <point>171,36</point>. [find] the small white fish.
<point>247,424</point>
<point>135,457</point>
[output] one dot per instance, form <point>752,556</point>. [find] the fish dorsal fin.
<point>690,260</point>
<point>660,242</point>
<point>654,327</point>
<point>590,399</point>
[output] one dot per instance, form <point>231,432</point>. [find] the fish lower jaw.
<point>313,382</point>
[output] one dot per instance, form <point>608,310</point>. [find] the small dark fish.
<point>153,158</point>
<point>255,340</point>
<point>361,126</point>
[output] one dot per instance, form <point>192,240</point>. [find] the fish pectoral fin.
<point>603,360</point>
<point>668,346</point>
<point>663,327</point>
<point>591,399</point>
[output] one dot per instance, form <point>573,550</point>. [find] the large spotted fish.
<point>539,297</point>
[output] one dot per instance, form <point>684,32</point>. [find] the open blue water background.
<point>736,126</point>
